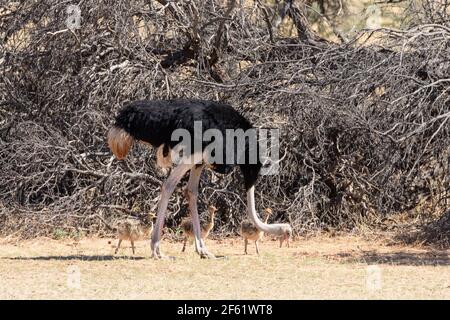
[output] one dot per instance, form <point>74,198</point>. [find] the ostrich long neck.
<point>269,228</point>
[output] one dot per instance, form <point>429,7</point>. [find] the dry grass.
<point>315,268</point>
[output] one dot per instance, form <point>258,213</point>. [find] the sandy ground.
<point>314,268</point>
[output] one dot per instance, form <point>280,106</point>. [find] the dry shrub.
<point>364,123</point>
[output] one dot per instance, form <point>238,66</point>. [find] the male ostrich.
<point>153,122</point>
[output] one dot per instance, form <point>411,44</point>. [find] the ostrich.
<point>155,121</point>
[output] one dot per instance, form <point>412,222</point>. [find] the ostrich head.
<point>212,211</point>
<point>285,233</point>
<point>283,230</point>
<point>148,218</point>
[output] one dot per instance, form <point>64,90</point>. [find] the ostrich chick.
<point>250,232</point>
<point>135,230</point>
<point>205,227</point>
<point>132,229</point>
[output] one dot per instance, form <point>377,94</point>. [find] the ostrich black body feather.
<point>154,121</point>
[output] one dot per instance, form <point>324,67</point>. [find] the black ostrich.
<point>154,122</point>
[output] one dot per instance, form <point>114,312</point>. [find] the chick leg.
<point>184,244</point>
<point>132,246</point>
<point>118,246</point>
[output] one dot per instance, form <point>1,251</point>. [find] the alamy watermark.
<point>73,280</point>
<point>228,147</point>
<point>73,20</point>
<point>374,19</point>
<point>374,279</point>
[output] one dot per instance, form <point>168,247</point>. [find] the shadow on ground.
<point>76,257</point>
<point>430,258</point>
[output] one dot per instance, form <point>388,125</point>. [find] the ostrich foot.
<point>160,256</point>
<point>205,254</point>
<point>157,255</point>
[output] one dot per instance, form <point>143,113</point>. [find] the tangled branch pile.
<point>364,123</point>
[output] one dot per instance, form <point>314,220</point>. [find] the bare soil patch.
<point>314,268</point>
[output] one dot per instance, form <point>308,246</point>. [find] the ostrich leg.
<point>166,191</point>
<point>192,195</point>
